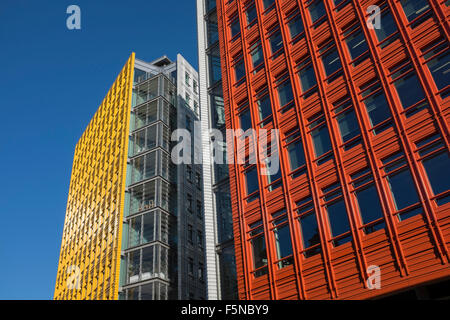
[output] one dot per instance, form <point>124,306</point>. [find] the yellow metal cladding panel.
<point>89,262</point>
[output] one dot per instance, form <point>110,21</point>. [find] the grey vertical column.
<point>209,212</point>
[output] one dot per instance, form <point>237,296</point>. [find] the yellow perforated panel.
<point>89,262</point>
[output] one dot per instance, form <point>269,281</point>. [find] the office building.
<point>220,256</point>
<point>134,222</point>
<point>359,93</point>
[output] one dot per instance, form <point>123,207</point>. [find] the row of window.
<point>435,159</point>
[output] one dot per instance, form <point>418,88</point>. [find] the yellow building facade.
<point>89,262</point>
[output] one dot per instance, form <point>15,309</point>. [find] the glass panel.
<point>133,266</point>
<point>438,172</point>
<point>321,140</point>
<point>307,78</point>
<point>409,90</point>
<point>337,215</point>
<point>414,8</point>
<point>283,241</point>
<point>135,231</point>
<point>285,94</point>
<point>310,230</point>
<point>147,292</point>
<point>264,106</point>
<point>369,204</point>
<point>387,27</point>
<point>377,108</point>
<point>251,178</point>
<point>296,155</point>
<point>147,263</point>
<point>149,228</point>
<point>348,125</point>
<point>402,189</point>
<point>259,252</point>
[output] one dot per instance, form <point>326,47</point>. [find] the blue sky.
<point>51,82</point>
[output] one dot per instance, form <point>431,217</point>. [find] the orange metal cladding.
<point>89,261</point>
<point>408,251</point>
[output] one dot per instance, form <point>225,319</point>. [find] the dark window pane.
<point>257,55</point>
<point>321,140</point>
<point>356,44</point>
<point>402,189</point>
<point>348,125</point>
<point>295,26</point>
<point>337,215</point>
<point>331,62</point>
<point>438,172</point>
<point>264,107</point>
<point>239,70</point>
<point>283,241</point>
<point>377,108</point>
<point>268,3</point>
<point>414,8</point>
<point>251,178</point>
<point>387,27</point>
<point>369,204</point>
<point>296,155</point>
<point>235,28</point>
<point>276,42</point>
<point>409,90</point>
<point>259,252</point>
<point>251,14</point>
<point>307,78</point>
<point>317,10</point>
<point>285,94</point>
<point>310,230</point>
<point>246,121</point>
<point>440,69</point>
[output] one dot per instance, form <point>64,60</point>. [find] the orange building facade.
<point>359,91</point>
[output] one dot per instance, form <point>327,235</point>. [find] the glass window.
<point>134,232</point>
<point>331,62</point>
<point>267,3</point>
<point>148,234</point>
<point>439,66</point>
<point>414,8</point>
<point>251,179</point>
<point>348,125</point>
<point>258,244</point>
<point>256,54</point>
<point>239,70</point>
<point>285,94</point>
<point>147,263</point>
<point>309,227</point>
<point>321,138</point>
<point>437,168</point>
<point>276,42</point>
<point>403,190</point>
<point>295,26</point>
<point>317,11</point>
<point>245,120</point>
<point>387,25</point>
<point>251,15</point>
<point>369,204</point>
<point>264,107</point>
<point>407,85</point>
<point>296,154</point>
<point>356,42</point>
<point>337,216</point>
<point>282,238</point>
<point>376,105</point>
<point>368,201</point>
<point>307,75</point>
<point>235,27</point>
<point>401,184</point>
